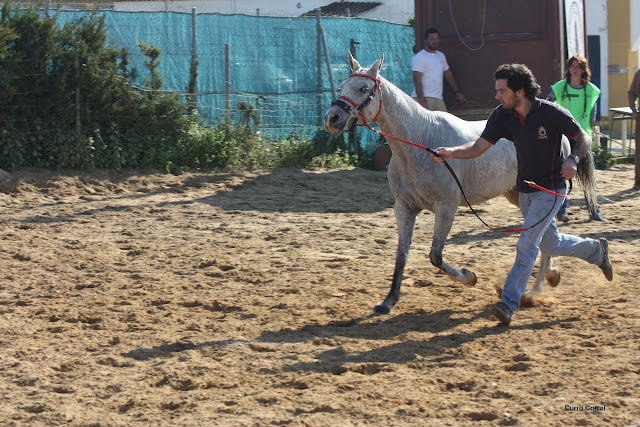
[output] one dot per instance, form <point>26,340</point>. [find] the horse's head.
<point>356,95</point>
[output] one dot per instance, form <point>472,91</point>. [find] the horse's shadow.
<point>439,348</point>
<point>361,328</point>
<point>295,190</point>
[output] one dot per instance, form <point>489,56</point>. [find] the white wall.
<point>398,11</point>
<point>596,17</point>
<point>635,28</point>
<point>391,10</point>
<point>243,7</point>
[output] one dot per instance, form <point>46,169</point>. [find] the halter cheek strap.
<point>350,106</point>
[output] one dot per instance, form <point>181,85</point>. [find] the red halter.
<point>358,108</point>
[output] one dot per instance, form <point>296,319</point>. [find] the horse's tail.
<point>587,176</point>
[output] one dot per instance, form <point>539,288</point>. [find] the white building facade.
<point>596,25</point>
<point>397,11</point>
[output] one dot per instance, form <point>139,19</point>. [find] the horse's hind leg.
<point>552,275</point>
<point>545,262</point>
<point>441,228</point>
<point>546,271</point>
<point>406,219</point>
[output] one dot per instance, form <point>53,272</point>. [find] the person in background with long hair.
<point>577,94</point>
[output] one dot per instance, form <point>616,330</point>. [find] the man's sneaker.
<point>563,217</point>
<point>502,313</point>
<point>605,265</point>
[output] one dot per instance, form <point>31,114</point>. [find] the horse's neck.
<point>402,117</point>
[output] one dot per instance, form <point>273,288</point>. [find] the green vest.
<point>574,101</point>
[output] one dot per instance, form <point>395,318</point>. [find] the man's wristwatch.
<point>575,158</point>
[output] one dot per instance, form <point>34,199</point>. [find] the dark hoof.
<point>436,260</point>
<point>382,308</point>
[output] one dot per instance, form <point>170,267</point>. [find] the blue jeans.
<point>546,238</point>
<point>563,207</point>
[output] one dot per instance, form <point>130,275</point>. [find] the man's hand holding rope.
<point>569,168</point>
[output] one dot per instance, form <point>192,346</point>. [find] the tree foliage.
<point>68,97</point>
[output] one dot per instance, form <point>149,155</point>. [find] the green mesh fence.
<point>272,61</point>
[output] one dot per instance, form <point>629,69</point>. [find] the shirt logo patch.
<point>542,133</point>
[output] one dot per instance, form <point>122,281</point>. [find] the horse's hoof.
<point>382,308</point>
<point>553,277</point>
<point>470,278</point>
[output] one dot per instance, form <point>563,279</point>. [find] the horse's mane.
<point>435,128</point>
<point>429,128</point>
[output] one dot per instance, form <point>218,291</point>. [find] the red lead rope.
<point>530,183</point>
<point>534,185</point>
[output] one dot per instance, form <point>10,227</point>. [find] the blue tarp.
<point>270,57</point>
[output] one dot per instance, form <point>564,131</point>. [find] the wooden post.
<point>562,40</point>
<point>353,135</point>
<point>319,67</point>
<point>227,78</point>
<point>193,74</point>
<point>328,61</point>
<point>78,123</point>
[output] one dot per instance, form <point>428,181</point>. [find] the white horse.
<point>417,182</point>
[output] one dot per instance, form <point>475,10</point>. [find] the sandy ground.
<point>246,299</point>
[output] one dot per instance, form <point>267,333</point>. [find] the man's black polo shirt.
<point>537,139</point>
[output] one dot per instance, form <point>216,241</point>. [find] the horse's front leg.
<point>442,226</point>
<point>406,220</point>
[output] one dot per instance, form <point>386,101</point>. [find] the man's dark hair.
<point>430,31</point>
<point>518,77</point>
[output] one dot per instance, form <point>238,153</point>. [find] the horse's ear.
<point>353,63</point>
<point>377,66</point>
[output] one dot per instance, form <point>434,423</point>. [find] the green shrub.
<point>79,108</point>
<point>339,159</point>
<point>602,157</point>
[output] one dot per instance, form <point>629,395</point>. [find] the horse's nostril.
<point>333,118</point>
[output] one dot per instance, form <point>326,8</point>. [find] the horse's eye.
<point>364,89</point>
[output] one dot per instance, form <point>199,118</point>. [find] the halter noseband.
<point>351,107</point>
